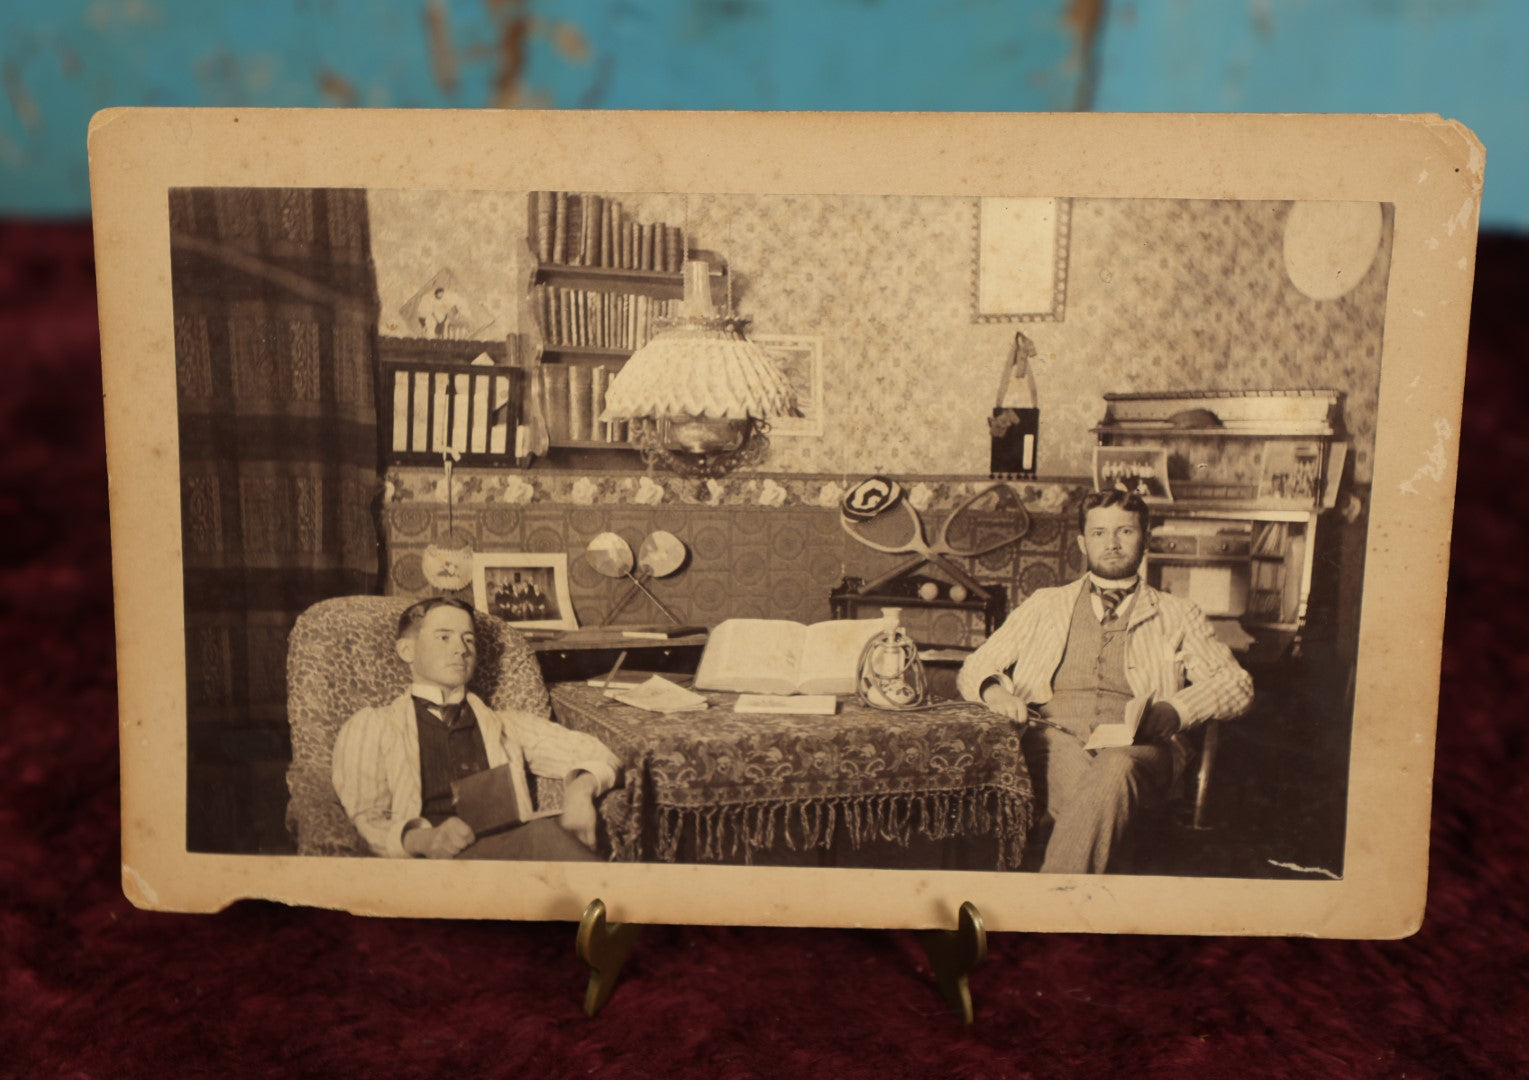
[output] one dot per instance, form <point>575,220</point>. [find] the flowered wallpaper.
<point>1161,295</point>
<point>478,236</point>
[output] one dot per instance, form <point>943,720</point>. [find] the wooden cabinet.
<point>1236,525</point>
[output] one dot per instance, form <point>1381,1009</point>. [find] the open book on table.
<point>777,656</point>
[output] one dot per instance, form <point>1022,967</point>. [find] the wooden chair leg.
<point>1207,769</point>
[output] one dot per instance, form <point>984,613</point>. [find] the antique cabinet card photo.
<point>1055,509</point>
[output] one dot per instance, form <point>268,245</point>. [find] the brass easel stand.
<point>604,947</point>
<point>955,954</point>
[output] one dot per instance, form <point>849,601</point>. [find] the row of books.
<point>1274,587</point>
<point>1269,538</point>
<point>602,320</point>
<point>573,397</point>
<point>573,229</point>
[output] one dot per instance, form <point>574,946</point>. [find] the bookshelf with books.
<point>601,285</point>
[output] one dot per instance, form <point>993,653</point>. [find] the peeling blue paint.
<point>1460,58</point>
<point>62,60</point>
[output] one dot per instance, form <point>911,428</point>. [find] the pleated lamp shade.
<point>701,367</point>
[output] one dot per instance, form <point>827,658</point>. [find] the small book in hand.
<point>486,801</point>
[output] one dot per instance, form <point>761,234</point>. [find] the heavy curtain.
<point>275,308</point>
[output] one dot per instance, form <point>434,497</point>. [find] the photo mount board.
<point>1430,169</point>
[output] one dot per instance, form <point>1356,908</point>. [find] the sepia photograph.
<point>1230,657</point>
<point>1138,660</point>
<point>527,591</point>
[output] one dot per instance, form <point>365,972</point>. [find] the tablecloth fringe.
<point>747,829</point>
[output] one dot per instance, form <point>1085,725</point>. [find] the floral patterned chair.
<point>340,658</point>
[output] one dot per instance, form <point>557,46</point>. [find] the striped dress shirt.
<point>1171,653</point>
<point>376,764</point>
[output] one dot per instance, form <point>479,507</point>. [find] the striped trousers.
<point>1092,797</point>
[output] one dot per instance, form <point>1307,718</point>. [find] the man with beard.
<point>394,765</point>
<point>1074,657</point>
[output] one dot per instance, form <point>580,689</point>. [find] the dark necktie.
<point>1111,599</point>
<point>448,713</point>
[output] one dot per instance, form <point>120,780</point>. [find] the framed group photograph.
<point>1205,707</point>
<point>1134,470</point>
<point>526,590</point>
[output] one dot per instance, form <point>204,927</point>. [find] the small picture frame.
<point>1291,472</point>
<point>527,590</point>
<point>1022,256</point>
<point>441,310</point>
<point>800,359</point>
<point>1141,470</point>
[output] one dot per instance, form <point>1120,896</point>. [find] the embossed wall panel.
<point>745,560</point>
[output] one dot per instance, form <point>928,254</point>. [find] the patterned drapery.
<point>275,338</point>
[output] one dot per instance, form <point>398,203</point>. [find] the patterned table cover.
<point>737,784</point>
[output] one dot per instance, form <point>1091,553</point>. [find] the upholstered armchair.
<point>341,658</point>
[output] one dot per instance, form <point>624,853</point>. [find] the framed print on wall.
<point>800,359</point>
<point>1022,247</point>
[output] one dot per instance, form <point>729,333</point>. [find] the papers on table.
<point>659,695</point>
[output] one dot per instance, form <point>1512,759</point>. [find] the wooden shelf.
<point>1241,510</point>
<point>1150,429</point>
<point>589,444</point>
<point>659,284</point>
<point>567,354</point>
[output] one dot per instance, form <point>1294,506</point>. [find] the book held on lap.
<point>777,656</point>
<point>486,801</point>
<point>1109,736</point>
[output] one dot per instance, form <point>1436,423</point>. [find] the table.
<point>716,785</point>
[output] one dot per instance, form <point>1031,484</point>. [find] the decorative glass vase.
<point>891,674</point>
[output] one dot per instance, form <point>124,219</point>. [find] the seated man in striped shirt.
<point>1074,657</point>
<point>394,766</point>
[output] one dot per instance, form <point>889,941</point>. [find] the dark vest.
<point>446,753</point>
<point>1089,687</point>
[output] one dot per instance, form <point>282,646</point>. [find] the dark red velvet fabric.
<point>94,988</point>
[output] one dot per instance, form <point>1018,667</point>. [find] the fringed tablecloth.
<point>731,786</point>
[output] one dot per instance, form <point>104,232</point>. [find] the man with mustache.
<point>1073,657</point>
<point>394,766</point>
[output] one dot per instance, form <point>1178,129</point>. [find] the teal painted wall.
<point>1461,58</point>
<point>62,60</point>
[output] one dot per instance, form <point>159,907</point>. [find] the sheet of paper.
<point>659,695</point>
